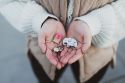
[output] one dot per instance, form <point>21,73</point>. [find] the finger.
<point>51,57</point>
<point>86,43</point>
<point>61,29</point>
<point>62,64</point>
<point>41,42</point>
<point>51,45</point>
<point>66,59</point>
<point>62,58</point>
<point>61,43</point>
<point>79,46</point>
<point>75,57</point>
<point>69,50</point>
<point>64,51</point>
<point>49,37</point>
<point>85,46</point>
<point>59,65</point>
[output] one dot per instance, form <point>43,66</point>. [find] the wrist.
<point>83,28</point>
<point>82,23</point>
<point>49,19</point>
<point>93,23</point>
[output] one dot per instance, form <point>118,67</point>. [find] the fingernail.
<point>63,65</point>
<point>70,62</point>
<point>58,67</point>
<point>61,60</point>
<point>43,51</point>
<point>83,51</point>
<point>64,62</point>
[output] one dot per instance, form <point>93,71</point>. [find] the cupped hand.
<point>45,40</point>
<point>81,32</point>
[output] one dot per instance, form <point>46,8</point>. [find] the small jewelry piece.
<point>58,37</point>
<point>58,49</point>
<point>70,42</point>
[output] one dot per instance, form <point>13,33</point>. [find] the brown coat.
<point>81,7</point>
<point>95,58</point>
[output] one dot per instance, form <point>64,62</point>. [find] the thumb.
<point>41,42</point>
<point>86,43</point>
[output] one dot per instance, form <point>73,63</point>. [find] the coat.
<point>95,58</point>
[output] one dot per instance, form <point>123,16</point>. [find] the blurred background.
<point>15,66</point>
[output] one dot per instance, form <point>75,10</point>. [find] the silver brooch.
<point>70,42</point>
<point>58,49</point>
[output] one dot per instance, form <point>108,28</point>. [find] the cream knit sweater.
<point>107,24</point>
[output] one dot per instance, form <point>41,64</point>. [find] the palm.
<point>80,31</point>
<point>48,31</point>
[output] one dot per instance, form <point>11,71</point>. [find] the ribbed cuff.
<point>39,19</point>
<point>92,21</point>
<point>102,23</point>
<point>32,18</point>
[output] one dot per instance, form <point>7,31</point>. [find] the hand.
<point>45,40</point>
<point>81,32</point>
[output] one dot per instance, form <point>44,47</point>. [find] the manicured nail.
<point>58,66</point>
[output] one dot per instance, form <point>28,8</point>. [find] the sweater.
<point>24,15</point>
<point>107,24</point>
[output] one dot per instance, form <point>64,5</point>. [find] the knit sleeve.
<point>25,15</point>
<point>107,24</point>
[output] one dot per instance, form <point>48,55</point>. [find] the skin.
<point>77,29</point>
<point>81,32</point>
<point>48,32</point>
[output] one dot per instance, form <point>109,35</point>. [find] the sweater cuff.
<point>25,16</point>
<point>39,19</point>
<point>32,18</point>
<point>92,21</point>
<point>102,23</point>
